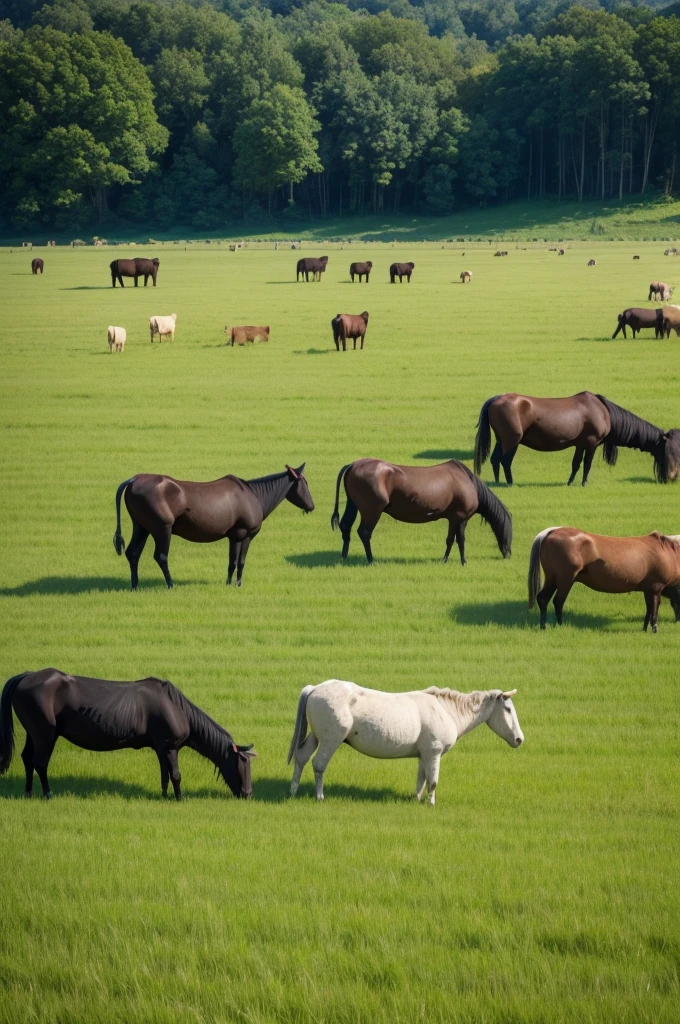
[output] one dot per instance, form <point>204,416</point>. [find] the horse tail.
<point>7,722</point>
<point>335,518</point>
<point>535,564</point>
<point>118,542</point>
<point>496,515</point>
<point>300,732</point>
<point>483,438</point>
<point>622,321</point>
<point>610,450</point>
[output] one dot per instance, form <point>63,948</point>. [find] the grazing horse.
<point>671,320</point>
<point>203,512</point>
<point>418,494</point>
<point>465,276</point>
<point>311,265</point>
<point>360,270</point>
<point>582,421</point>
<point>37,265</point>
<point>134,268</point>
<point>638,319</point>
<point>345,326</point>
<point>97,714</point>
<point>421,723</point>
<point>660,290</point>
<point>612,565</point>
<point>399,270</point>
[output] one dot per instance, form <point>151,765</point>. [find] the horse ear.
<point>508,694</point>
<point>293,472</point>
<point>301,469</point>
<point>245,747</point>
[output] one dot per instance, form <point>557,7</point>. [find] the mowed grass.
<point>543,885</point>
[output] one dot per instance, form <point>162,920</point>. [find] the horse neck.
<point>467,712</point>
<point>206,737</point>
<point>270,491</point>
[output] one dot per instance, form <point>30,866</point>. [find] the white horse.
<point>421,723</point>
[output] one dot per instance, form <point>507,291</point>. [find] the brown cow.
<point>37,265</point>
<point>638,318</point>
<point>399,270</point>
<point>311,265</point>
<point>345,326</point>
<point>659,290</point>
<point>241,335</point>
<point>134,268</point>
<point>362,269</point>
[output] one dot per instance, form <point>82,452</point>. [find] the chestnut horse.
<point>583,421</point>
<point>612,565</point>
<point>98,714</point>
<point>203,512</point>
<point>418,494</point>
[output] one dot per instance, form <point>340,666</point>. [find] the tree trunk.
<point>531,153</point>
<point>583,159</point>
<point>650,132</point>
<point>623,143</point>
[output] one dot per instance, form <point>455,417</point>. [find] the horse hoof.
<point>238,583</point>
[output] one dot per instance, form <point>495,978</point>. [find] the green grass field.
<point>543,885</point>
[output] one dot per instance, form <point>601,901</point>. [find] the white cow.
<point>117,337</point>
<point>421,723</point>
<point>163,326</point>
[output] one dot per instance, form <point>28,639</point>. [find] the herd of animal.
<point>104,715</point>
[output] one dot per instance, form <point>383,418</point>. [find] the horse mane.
<point>206,737</point>
<point>463,701</point>
<point>670,540</point>
<point>631,431</point>
<point>492,511</point>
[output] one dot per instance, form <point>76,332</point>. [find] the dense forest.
<point>203,112</point>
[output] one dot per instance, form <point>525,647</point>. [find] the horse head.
<point>503,717</point>
<point>667,459</point>
<point>299,494</point>
<point>236,770</point>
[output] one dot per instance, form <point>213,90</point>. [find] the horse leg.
<point>450,538</point>
<point>420,781</point>
<point>27,755</point>
<point>325,751</point>
<point>243,551</point>
<point>302,756</point>
<point>506,462</point>
<point>161,552</point>
<point>133,552</point>
<point>560,597</point>
<point>165,770</point>
<point>587,463</point>
<point>41,759</point>
<point>652,600</point>
<point>432,774</point>
<point>346,524</point>
<point>576,464</point>
<point>543,598</point>
<point>496,461</point>
<point>365,532</point>
<point>175,774</point>
<point>460,540</point>
<point>234,547</point>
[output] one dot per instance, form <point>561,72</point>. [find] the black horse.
<point>203,512</point>
<point>98,714</point>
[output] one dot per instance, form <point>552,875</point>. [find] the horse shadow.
<point>328,559</point>
<point>601,340</point>
<point>277,791</point>
<point>84,787</point>
<point>87,288</point>
<point>515,614</point>
<point>462,454</point>
<point>312,351</point>
<point>59,585</point>
<point>638,480</point>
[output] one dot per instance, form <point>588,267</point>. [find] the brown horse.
<point>638,318</point>
<point>582,421</point>
<point>361,270</point>
<point>612,565</point>
<point>346,325</point>
<point>37,265</point>
<point>399,270</point>
<point>134,268</point>
<point>313,265</point>
<point>203,512</point>
<point>97,714</point>
<point>418,494</point>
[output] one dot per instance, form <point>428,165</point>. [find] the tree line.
<point>173,112</point>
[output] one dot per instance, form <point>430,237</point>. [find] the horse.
<point>659,290</point>
<point>638,318</point>
<point>465,276</point>
<point>361,270</point>
<point>612,565</point>
<point>421,723</point>
<point>399,270</point>
<point>134,268</point>
<point>671,320</point>
<point>418,494</point>
<point>37,265</point>
<point>583,421</point>
<point>311,265</point>
<point>203,512</point>
<point>98,714</point>
<point>345,326</point>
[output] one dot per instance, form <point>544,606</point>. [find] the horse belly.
<point>82,731</point>
<point>385,733</point>
<point>201,529</point>
<point>544,440</point>
<point>413,507</point>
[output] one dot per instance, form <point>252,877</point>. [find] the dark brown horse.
<point>37,265</point>
<point>311,265</point>
<point>582,421</point>
<point>134,268</point>
<point>638,319</point>
<point>345,326</point>
<point>203,512</point>
<point>361,270</point>
<point>612,565</point>
<point>97,714</point>
<point>399,270</point>
<point>418,494</point>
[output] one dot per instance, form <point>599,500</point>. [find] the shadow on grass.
<point>312,351</point>
<point>516,613</point>
<point>638,480</point>
<point>324,559</point>
<point>88,288</point>
<point>81,585</point>
<point>277,791</point>
<point>446,453</point>
<point>600,340</point>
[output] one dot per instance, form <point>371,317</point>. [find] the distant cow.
<point>163,326</point>
<point>37,265</point>
<point>501,252</point>
<point>671,319</point>
<point>560,252</point>
<point>399,270</point>
<point>241,335</point>
<point>636,257</point>
<point>660,290</point>
<point>362,269</point>
<point>117,337</point>
<point>134,268</point>
<point>311,265</point>
<point>592,263</point>
<point>465,276</point>
<point>639,319</point>
<point>345,326</point>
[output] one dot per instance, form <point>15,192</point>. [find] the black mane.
<point>631,431</point>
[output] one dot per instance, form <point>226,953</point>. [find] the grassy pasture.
<point>543,886</point>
